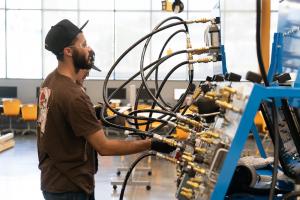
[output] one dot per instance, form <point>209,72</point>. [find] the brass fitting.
<point>187,158</point>
<point>230,89</point>
<point>168,158</point>
<point>198,51</point>
<point>200,150</point>
<point>201,20</point>
<point>188,190</point>
<point>208,134</point>
<point>196,168</point>
<point>189,121</point>
<point>207,140</point>
<point>196,179</point>
<point>169,141</point>
<point>186,194</point>
<point>193,108</point>
<point>187,153</point>
<point>226,105</point>
<point>192,184</point>
<point>196,93</point>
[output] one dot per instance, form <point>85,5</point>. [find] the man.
<point>68,130</point>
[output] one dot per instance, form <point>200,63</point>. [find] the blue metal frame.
<point>276,57</point>
<point>258,141</point>
<point>258,94</point>
<point>224,67</point>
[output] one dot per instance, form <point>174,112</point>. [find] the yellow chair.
<point>29,114</point>
<point>11,108</point>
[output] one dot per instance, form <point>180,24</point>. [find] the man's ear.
<point>68,51</point>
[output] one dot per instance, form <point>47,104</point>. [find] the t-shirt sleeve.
<point>82,116</point>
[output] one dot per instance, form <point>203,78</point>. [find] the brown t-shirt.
<point>66,116</point>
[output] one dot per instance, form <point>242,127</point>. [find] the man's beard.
<point>79,61</point>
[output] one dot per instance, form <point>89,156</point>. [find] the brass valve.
<point>196,93</point>
<point>200,150</point>
<point>196,179</point>
<point>189,190</point>
<point>208,134</point>
<point>227,106</point>
<point>189,121</point>
<point>230,89</point>
<point>187,158</point>
<point>211,95</point>
<point>198,50</point>
<point>192,184</point>
<point>186,194</point>
<point>201,20</point>
<point>193,108</point>
<point>187,153</point>
<point>168,158</point>
<point>196,168</point>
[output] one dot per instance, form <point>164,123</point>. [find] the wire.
<point>130,170</point>
<point>126,52</point>
<point>276,150</point>
<point>258,43</point>
<point>274,112</point>
<point>102,116</point>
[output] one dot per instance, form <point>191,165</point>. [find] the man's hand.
<point>161,147</point>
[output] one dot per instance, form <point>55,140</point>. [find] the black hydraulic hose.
<point>130,171</point>
<point>154,111</point>
<point>258,43</point>
<point>116,63</point>
<point>276,151</point>
<point>158,96</point>
<point>142,67</point>
<point>126,52</point>
<point>160,54</point>
<point>176,109</point>
<point>125,83</point>
<point>274,112</point>
<point>145,48</point>
<point>172,70</point>
<point>162,85</point>
<point>177,106</point>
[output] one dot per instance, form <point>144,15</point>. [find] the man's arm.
<point>107,147</point>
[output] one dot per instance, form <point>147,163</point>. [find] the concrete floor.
<point>20,176</point>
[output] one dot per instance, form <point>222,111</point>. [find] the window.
<point>24,44</point>
<point>28,4</point>
<point>196,5</point>
<point>133,5</point>
<point>240,45</point>
<point>61,5</point>
<point>102,42</point>
<point>139,26</point>
<point>2,4</point>
<point>115,25</point>
<point>96,5</point>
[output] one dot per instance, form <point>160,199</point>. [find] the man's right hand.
<point>161,147</point>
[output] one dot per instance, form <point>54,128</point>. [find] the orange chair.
<point>11,108</point>
<point>29,114</point>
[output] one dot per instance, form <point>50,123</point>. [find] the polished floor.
<point>19,175</point>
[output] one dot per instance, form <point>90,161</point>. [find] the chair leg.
<point>28,129</point>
